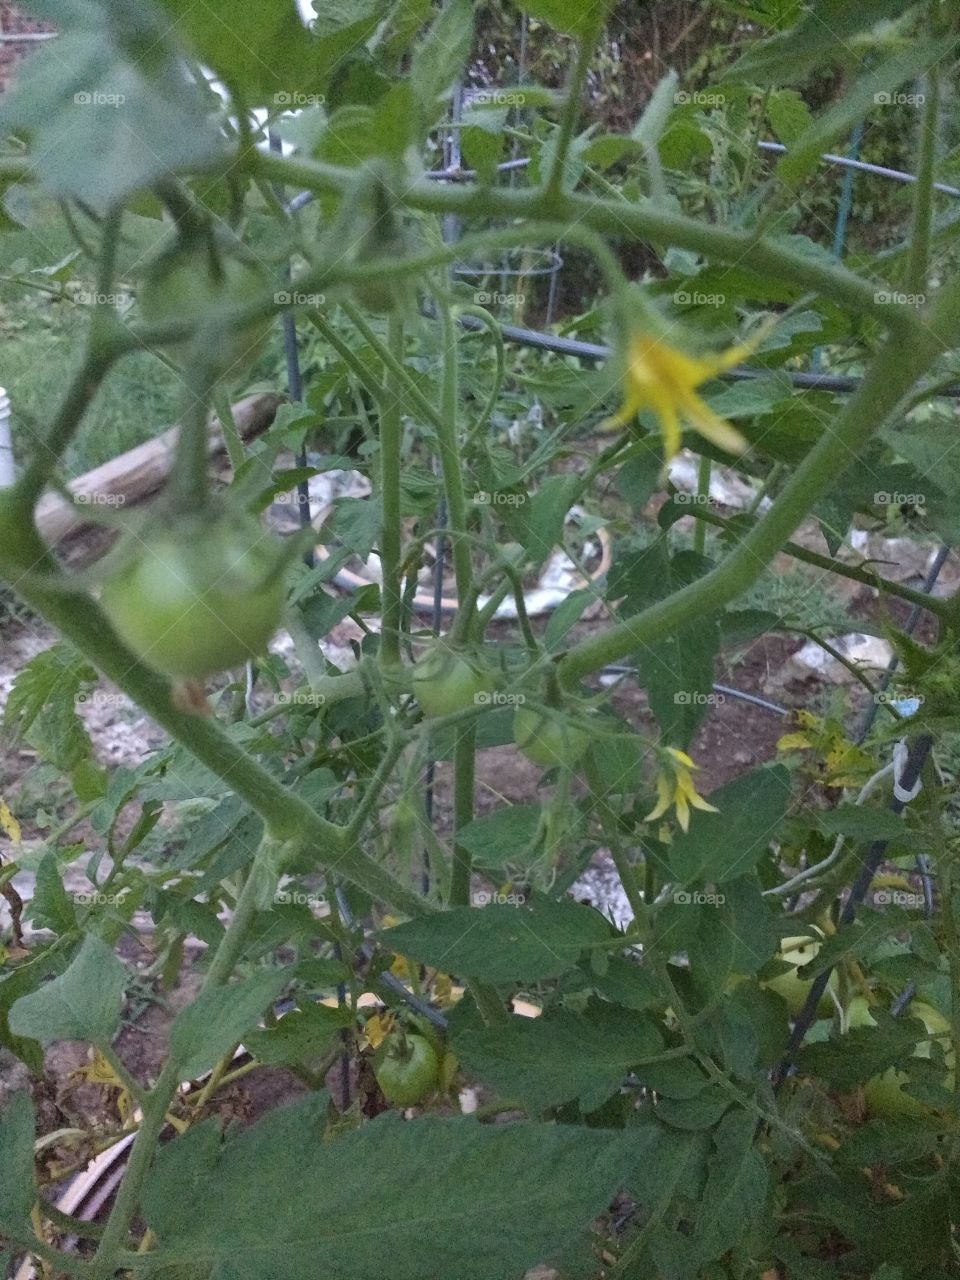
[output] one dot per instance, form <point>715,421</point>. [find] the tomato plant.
<point>436,736</point>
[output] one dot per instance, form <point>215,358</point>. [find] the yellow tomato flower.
<point>675,787</point>
<point>660,377</point>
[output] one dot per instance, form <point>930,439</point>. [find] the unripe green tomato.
<point>186,286</point>
<point>407,1070</point>
<point>444,683</point>
<point>199,600</point>
<point>549,740</point>
<point>797,952</point>
<point>883,1094</point>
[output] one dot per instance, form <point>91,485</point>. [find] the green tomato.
<point>444,683</point>
<point>185,285</point>
<point>196,600</point>
<point>408,1069</point>
<point>884,1094</point>
<point>789,987</point>
<point>549,740</point>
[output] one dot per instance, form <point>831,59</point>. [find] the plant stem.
<point>464,757</point>
<point>32,573</point>
<point>919,258</point>
<point>617,218</point>
<point>391,551</point>
<point>897,366</point>
<point>703,493</point>
<point>450,461</point>
<point>571,110</point>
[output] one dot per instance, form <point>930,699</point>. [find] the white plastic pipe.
<point>7,471</point>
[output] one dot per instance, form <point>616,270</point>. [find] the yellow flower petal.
<point>682,757</point>
<point>686,788</point>
<point>710,424</point>
<point>683,811</point>
<point>664,797</point>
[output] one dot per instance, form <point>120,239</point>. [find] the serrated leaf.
<point>722,846</point>
<point>301,1036</point>
<point>278,1199</point>
<point>108,105</point>
<point>560,1057</point>
<point>83,1003</point>
<point>41,707</point>
<point>18,1188</point>
<point>823,34</point>
<point>570,16</point>
<point>51,907</point>
<point>503,836</point>
<point>441,55</point>
<point>788,114</point>
<point>209,1027</point>
<point>502,943</point>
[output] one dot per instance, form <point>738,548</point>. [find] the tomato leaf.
<point>83,1003</point>
<point>502,943</point>
<point>209,1027</point>
<point>277,1199</point>
<point>560,1057</point>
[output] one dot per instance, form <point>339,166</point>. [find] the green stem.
<point>450,460</point>
<point>918,261</point>
<point>81,621</point>
<point>703,494</point>
<point>893,372</point>
<point>391,462</point>
<point>571,110</point>
<point>464,758</point>
<point>616,218</point>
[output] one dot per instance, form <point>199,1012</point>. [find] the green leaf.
<point>677,671</point>
<point>722,846</point>
<point>18,1188</point>
<point>41,707</point>
<point>862,823</point>
<point>503,836</point>
<point>480,1202</point>
<point>84,1003</point>
<point>863,1052</point>
<point>570,16</point>
<point>822,35</point>
<point>441,55</point>
<point>560,1057</point>
<point>51,907</point>
<point>301,1036</point>
<point>209,1027</point>
<point>861,98</point>
<point>639,478</point>
<point>502,943</point>
<point>788,114</point>
<point>736,1189</point>
<point>108,105</point>
<point>537,524</point>
<point>650,127</point>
